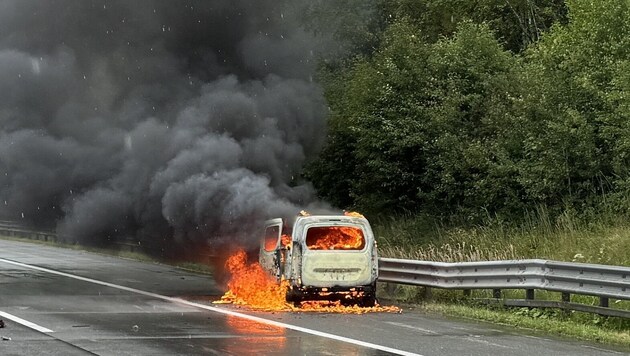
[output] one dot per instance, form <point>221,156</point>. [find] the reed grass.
<point>567,237</point>
<point>602,238</point>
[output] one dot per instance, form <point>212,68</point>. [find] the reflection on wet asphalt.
<point>88,318</point>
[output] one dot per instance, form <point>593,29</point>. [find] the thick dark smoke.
<point>172,120</point>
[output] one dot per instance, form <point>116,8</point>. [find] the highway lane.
<point>132,313</point>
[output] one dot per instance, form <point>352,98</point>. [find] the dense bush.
<point>475,110</point>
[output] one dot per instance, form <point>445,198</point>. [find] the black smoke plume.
<point>177,121</point>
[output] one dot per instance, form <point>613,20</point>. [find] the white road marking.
<point>26,323</point>
<point>219,310</point>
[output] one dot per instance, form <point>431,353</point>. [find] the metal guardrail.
<point>128,244</point>
<point>604,282</point>
<point>13,228</point>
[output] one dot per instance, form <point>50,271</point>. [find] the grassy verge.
<point>566,238</point>
<point>550,321</point>
<point>582,326</point>
<point>132,255</point>
<point>603,240</point>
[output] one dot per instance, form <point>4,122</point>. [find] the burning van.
<point>323,257</point>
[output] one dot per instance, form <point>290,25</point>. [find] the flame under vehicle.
<point>323,257</point>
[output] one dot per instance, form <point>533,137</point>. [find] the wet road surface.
<point>79,303</point>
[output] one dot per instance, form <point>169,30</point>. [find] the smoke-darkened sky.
<point>186,119</point>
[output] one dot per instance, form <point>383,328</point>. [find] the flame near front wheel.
<point>251,286</point>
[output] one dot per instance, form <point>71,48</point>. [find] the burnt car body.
<point>317,269</point>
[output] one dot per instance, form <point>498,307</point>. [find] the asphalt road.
<point>64,302</point>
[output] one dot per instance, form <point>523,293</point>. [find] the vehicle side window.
<point>271,238</point>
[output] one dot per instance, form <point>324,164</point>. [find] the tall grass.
<point>602,238</point>
<point>599,238</point>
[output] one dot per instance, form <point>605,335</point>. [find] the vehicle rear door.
<point>269,247</point>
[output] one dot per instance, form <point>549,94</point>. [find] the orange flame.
<point>353,214</point>
<point>251,286</point>
<point>285,240</point>
<point>335,238</point>
<point>326,306</point>
<point>270,244</point>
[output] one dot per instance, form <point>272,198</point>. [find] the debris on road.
<point>135,328</point>
<point>1,323</point>
<point>6,338</point>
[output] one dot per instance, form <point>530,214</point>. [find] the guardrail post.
<point>603,302</point>
<point>390,288</point>
<point>529,294</point>
<point>427,293</point>
<point>496,293</point>
<point>467,293</point>
<point>566,297</point>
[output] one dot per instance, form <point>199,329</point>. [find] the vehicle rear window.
<point>335,238</point>
<point>271,238</point>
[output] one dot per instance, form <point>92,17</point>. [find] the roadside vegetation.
<point>602,240</point>
<point>550,322</point>
<point>484,131</point>
<point>453,120</point>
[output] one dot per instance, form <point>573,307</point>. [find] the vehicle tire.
<point>293,297</point>
<point>367,301</point>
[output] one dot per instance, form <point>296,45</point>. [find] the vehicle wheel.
<point>293,297</point>
<point>367,301</point>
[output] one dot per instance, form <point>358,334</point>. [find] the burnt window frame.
<point>359,227</point>
<point>265,235</point>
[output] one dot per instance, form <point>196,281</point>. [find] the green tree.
<point>572,113</point>
<point>516,23</point>
<point>421,119</point>
<point>452,116</point>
